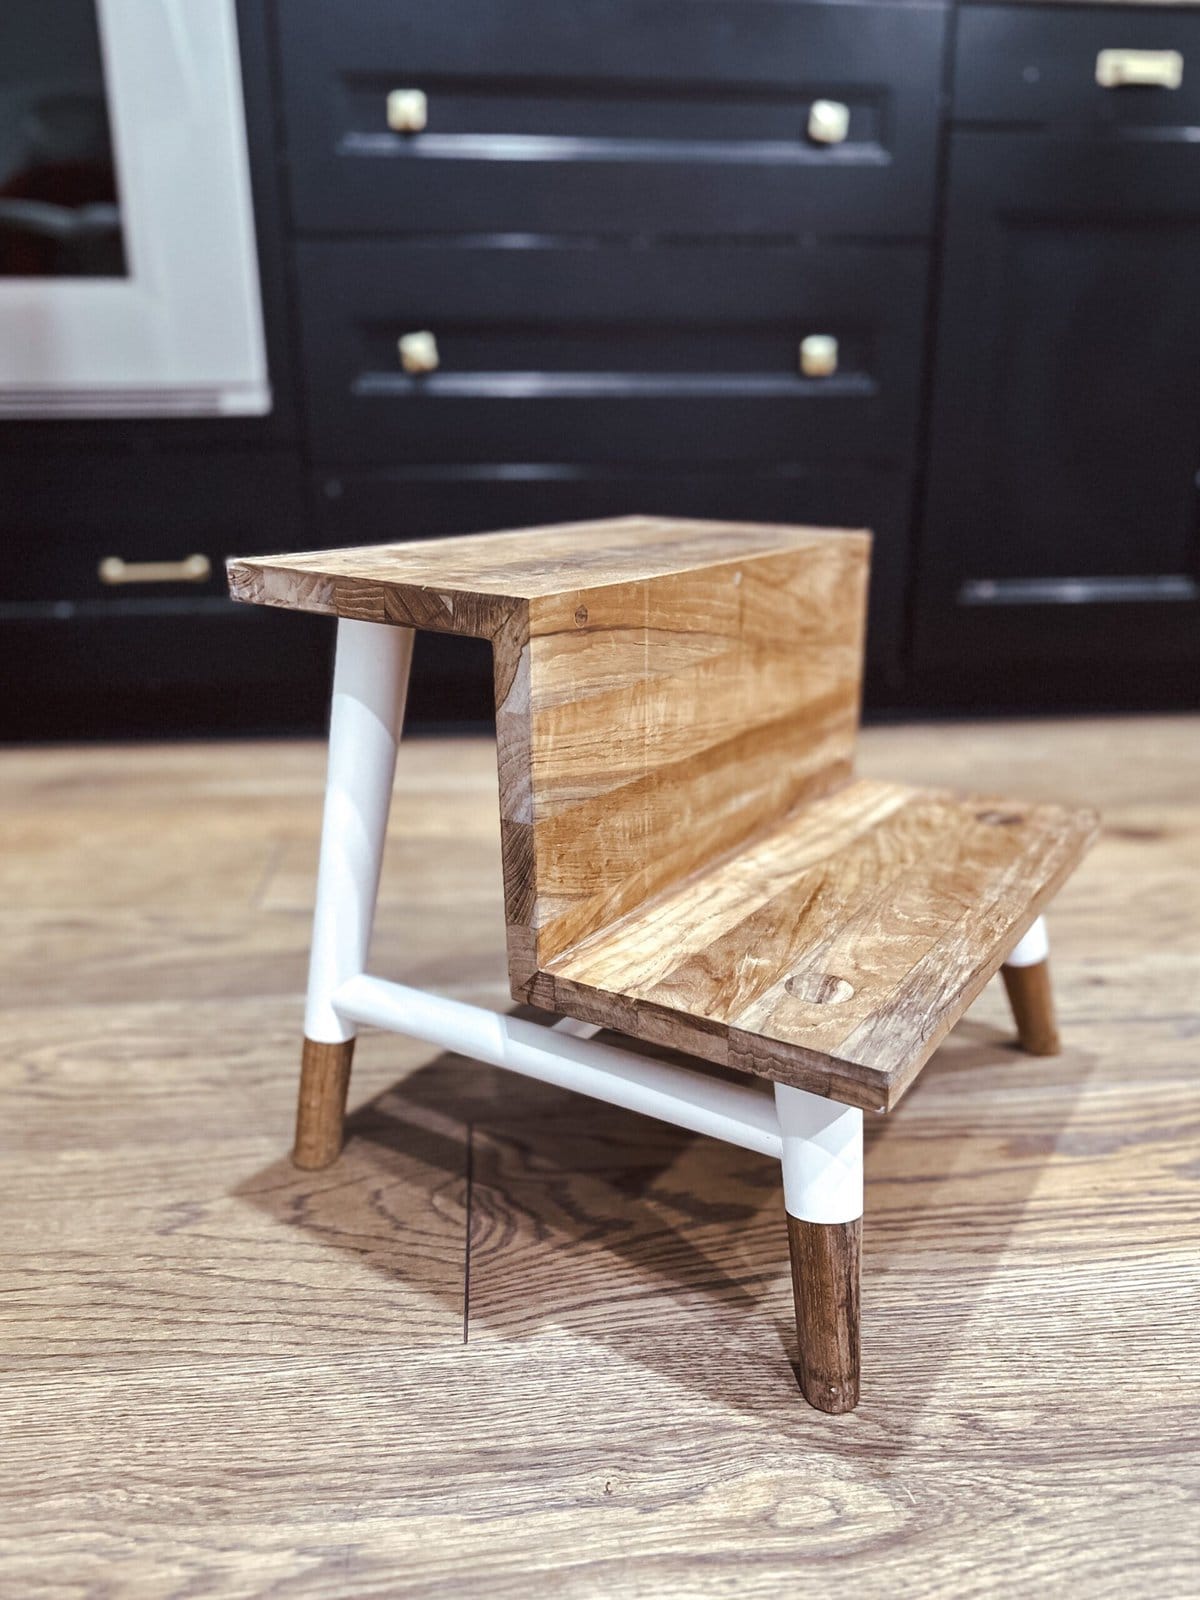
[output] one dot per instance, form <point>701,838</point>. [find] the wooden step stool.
<point>688,859</point>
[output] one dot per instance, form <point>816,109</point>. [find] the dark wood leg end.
<point>1032,1002</point>
<point>321,1112</point>
<point>826,1265</point>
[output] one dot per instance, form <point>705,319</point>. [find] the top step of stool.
<point>676,710</point>
<point>469,584</point>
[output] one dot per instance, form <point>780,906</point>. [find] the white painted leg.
<point>823,1194</point>
<point>370,683</point>
<point>822,1156</point>
<point>1026,976</point>
<point>1034,947</point>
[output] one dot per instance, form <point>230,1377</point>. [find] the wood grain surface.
<point>470,584</point>
<point>685,858</point>
<point>222,1377</point>
<point>838,950</point>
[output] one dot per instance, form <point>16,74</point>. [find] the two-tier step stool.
<point>688,858</point>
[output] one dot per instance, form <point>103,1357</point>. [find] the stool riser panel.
<point>669,722</point>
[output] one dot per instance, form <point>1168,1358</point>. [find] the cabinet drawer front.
<point>552,353</point>
<point>1063,484</point>
<point>161,669</point>
<point>638,116</point>
<point>1017,64</point>
<point>125,531</point>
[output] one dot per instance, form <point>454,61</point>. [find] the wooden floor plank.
<point>221,1377</point>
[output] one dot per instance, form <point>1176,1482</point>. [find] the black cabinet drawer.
<point>160,650</point>
<point>1062,517</point>
<point>1038,66</point>
<point>155,668</point>
<point>111,528</point>
<point>418,503</point>
<point>559,353</point>
<point>662,117</point>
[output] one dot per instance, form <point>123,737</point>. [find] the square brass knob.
<point>828,122</point>
<point>819,355</point>
<point>418,352</point>
<point>407,111</point>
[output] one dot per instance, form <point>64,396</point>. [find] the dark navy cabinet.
<point>1059,551</point>
<point>922,267</point>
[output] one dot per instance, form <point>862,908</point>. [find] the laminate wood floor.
<point>518,1344</point>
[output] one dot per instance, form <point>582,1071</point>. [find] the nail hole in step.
<point>818,988</point>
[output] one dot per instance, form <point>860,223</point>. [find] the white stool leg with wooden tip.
<point>1026,976</point>
<point>370,683</point>
<point>823,1196</point>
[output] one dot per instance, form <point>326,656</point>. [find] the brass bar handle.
<point>192,569</point>
<point>1153,69</point>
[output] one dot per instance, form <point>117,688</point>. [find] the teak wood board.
<point>837,951</point>
<point>464,584</point>
<point>686,858</point>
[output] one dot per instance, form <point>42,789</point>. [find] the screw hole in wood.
<point>818,988</point>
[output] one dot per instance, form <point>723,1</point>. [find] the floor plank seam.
<point>470,1176</point>
<point>270,867</point>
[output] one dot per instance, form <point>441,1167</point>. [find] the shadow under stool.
<point>688,858</point>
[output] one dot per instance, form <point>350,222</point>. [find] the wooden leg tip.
<point>1032,1003</point>
<point>308,1159</point>
<point>825,1278</point>
<point>1041,1045</point>
<point>835,1399</point>
<point>321,1112</point>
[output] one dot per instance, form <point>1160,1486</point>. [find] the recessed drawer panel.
<point>637,116</point>
<point>1128,68</point>
<point>163,668</point>
<point>548,353</point>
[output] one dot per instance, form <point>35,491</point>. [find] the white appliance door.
<point>147,301</point>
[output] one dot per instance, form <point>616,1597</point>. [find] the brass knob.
<point>819,355</point>
<point>407,111</point>
<point>828,121</point>
<point>418,352</point>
